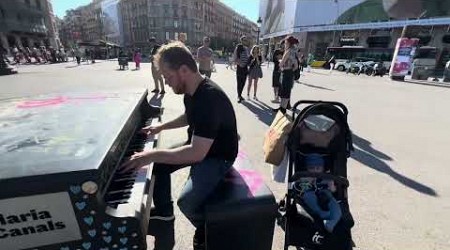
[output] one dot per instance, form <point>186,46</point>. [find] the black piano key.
<point>117,202</point>
<point>120,188</point>
<point>117,196</point>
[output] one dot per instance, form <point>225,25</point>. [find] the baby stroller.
<point>319,129</point>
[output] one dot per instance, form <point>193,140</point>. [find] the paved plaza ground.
<point>399,172</point>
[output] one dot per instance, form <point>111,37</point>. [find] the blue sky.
<point>249,8</point>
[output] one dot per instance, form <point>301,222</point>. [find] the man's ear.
<point>184,69</point>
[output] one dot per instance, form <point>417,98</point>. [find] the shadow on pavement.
<point>375,159</point>
<point>315,86</point>
<point>261,110</point>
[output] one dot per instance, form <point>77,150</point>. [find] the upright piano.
<point>60,184</point>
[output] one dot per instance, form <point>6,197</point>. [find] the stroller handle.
<point>338,179</point>
<point>338,104</point>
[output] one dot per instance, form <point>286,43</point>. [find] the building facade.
<point>165,20</point>
<point>364,23</point>
<point>27,23</point>
<point>139,20</point>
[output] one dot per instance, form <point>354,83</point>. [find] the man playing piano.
<point>211,148</point>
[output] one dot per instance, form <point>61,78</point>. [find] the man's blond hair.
<point>174,55</point>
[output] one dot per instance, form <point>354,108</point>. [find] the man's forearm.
<point>177,156</point>
<point>178,122</point>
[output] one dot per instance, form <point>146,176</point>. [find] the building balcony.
<point>22,27</point>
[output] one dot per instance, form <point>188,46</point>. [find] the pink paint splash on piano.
<point>57,101</point>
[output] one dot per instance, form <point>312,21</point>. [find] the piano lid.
<point>60,133</point>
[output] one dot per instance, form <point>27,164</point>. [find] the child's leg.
<point>310,199</point>
<point>335,212</point>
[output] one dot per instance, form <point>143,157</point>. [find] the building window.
<point>2,13</point>
<point>175,23</point>
<point>175,10</point>
<point>38,4</point>
<point>176,36</point>
<point>184,10</point>
<point>167,23</point>
<point>27,2</point>
<point>167,35</point>
<point>166,9</point>
<point>19,18</point>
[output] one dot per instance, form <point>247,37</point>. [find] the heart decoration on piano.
<point>107,239</point>
<point>107,225</point>
<point>86,245</point>
<point>92,233</point>
<point>124,240</point>
<point>80,205</point>
<point>122,229</point>
<point>75,189</point>
<point>89,220</point>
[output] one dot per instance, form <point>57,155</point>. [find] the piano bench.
<point>241,213</point>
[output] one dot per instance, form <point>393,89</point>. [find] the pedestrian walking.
<point>77,54</point>
<point>255,71</point>
<point>156,74</point>
<point>137,58</point>
<point>240,57</point>
<point>332,62</point>
<point>276,74</point>
<point>288,65</point>
<point>205,58</point>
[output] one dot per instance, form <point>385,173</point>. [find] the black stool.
<point>241,214</point>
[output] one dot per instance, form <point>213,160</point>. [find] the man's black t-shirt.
<point>210,114</point>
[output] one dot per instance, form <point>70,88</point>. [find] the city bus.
<point>344,55</point>
<point>425,56</point>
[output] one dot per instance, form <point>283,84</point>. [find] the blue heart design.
<point>75,189</point>
<point>64,248</point>
<point>87,245</point>
<point>92,233</point>
<point>107,225</point>
<point>123,240</point>
<point>122,229</point>
<point>80,205</point>
<point>89,220</point>
<point>107,239</point>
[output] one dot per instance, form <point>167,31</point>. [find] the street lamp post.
<point>259,29</point>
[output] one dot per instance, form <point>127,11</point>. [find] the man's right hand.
<point>152,130</point>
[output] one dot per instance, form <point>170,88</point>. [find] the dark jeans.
<point>241,77</point>
<point>287,82</point>
<point>201,183</point>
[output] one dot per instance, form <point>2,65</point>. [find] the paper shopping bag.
<point>275,139</point>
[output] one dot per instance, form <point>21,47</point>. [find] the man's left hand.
<point>136,161</point>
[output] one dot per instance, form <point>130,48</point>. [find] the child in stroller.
<point>315,213</point>
<point>312,191</point>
